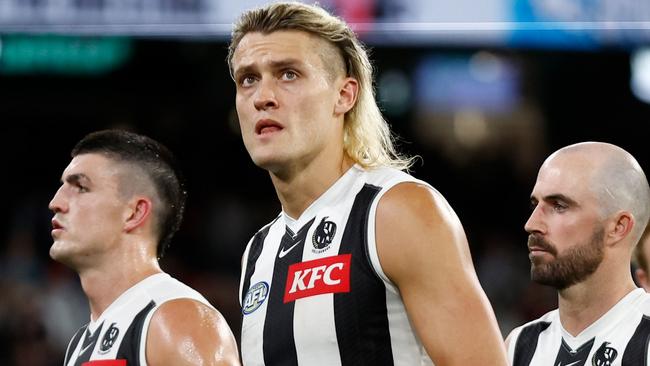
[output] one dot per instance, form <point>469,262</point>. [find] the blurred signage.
<point>582,24</point>
<point>554,23</point>
<point>51,54</point>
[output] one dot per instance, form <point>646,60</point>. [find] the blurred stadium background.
<point>481,91</point>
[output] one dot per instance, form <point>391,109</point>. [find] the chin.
<point>268,162</point>
<point>56,252</point>
<point>60,253</point>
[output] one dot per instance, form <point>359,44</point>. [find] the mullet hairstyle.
<point>154,161</point>
<point>367,139</point>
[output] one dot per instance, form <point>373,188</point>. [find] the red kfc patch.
<point>105,363</point>
<point>320,276</point>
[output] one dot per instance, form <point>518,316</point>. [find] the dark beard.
<point>571,267</point>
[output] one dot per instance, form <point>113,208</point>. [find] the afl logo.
<point>324,234</point>
<point>109,338</point>
<point>255,297</point>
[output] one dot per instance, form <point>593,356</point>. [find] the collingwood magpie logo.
<point>109,338</point>
<point>604,355</point>
<point>323,235</point>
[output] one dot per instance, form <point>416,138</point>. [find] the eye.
<point>247,80</point>
<point>559,206</point>
<point>289,75</point>
<point>81,188</point>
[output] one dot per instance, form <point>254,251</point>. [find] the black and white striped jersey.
<point>313,291</point>
<point>119,336</point>
<point>618,338</point>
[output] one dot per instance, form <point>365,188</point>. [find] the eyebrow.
<point>76,178</point>
<point>557,197</point>
<point>279,64</point>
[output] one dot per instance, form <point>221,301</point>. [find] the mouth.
<point>534,250</point>
<point>537,245</point>
<point>538,255</point>
<point>56,226</point>
<point>267,126</point>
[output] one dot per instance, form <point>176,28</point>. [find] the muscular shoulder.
<point>416,201</point>
<point>188,332</point>
<point>414,222</point>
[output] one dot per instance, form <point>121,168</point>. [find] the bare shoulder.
<point>417,200</point>
<point>423,250</point>
<point>187,332</point>
<point>414,223</point>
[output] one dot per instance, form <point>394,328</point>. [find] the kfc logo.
<point>105,363</point>
<point>321,276</point>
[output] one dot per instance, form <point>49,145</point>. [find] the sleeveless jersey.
<point>317,295</point>
<point>119,336</point>
<point>618,338</point>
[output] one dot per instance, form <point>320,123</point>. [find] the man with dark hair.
<point>590,207</point>
<point>120,202</point>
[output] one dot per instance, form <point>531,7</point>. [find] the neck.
<point>300,188</point>
<point>103,284</point>
<point>584,303</point>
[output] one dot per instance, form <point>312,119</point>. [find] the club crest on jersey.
<point>320,276</point>
<point>109,339</point>
<point>255,297</point>
<point>604,355</point>
<point>323,235</point>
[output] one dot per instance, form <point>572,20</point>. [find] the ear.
<point>348,94</point>
<point>642,278</point>
<point>620,227</point>
<point>139,212</point>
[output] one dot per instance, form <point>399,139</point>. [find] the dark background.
<point>180,93</point>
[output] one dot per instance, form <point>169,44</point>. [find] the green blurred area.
<point>65,55</point>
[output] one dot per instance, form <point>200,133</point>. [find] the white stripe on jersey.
<point>402,338</point>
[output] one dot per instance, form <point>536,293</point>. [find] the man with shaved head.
<point>589,209</point>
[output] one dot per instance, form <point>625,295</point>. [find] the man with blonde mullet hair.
<point>365,265</point>
<point>367,137</point>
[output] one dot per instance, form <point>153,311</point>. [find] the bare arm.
<point>187,332</point>
<point>423,250</point>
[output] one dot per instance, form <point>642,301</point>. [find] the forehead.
<point>570,175</point>
<point>95,167</point>
<point>257,48</point>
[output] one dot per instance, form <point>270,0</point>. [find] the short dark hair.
<point>154,160</point>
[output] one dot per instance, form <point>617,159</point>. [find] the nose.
<point>265,97</point>
<point>535,223</point>
<point>58,203</point>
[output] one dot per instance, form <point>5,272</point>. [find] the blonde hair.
<point>367,139</point>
